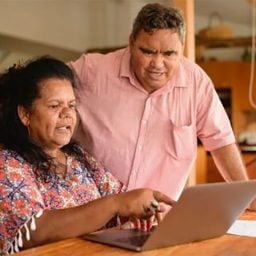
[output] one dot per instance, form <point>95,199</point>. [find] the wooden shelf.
<point>224,43</point>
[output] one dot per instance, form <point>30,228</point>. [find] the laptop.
<point>202,212</point>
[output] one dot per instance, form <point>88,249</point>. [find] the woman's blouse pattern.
<point>23,194</point>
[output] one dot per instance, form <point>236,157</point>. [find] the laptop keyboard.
<point>137,237</point>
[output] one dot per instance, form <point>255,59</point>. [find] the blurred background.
<point>65,28</point>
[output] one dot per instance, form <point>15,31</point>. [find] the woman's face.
<point>52,119</point>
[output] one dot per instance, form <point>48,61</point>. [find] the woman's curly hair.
<point>20,86</point>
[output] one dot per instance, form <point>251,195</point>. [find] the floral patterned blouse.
<point>24,195</point>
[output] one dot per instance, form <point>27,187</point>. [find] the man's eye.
<point>53,106</point>
<point>170,53</point>
<point>146,51</point>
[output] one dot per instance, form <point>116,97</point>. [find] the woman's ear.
<point>23,115</point>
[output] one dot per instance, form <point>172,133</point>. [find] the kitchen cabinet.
<point>213,175</point>
<point>241,86</point>
<point>201,165</point>
<point>250,162</point>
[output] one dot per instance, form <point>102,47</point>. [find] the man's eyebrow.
<point>168,52</point>
<point>147,50</point>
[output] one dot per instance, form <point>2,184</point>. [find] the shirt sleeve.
<point>213,124</point>
<point>106,183</point>
<point>20,201</point>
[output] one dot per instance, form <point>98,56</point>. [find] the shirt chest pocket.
<point>182,123</point>
<point>183,142</point>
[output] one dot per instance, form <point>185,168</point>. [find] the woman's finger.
<point>151,222</point>
<point>128,225</point>
<point>160,197</point>
<point>159,217</point>
<point>143,225</point>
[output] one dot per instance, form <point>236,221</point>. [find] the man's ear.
<point>23,115</point>
<point>131,41</point>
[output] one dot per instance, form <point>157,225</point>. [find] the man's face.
<point>155,57</point>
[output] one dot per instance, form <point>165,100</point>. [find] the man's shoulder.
<point>99,56</point>
<point>189,64</point>
<point>189,67</point>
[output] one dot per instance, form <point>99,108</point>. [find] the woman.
<point>50,188</point>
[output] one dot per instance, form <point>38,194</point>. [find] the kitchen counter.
<point>248,149</point>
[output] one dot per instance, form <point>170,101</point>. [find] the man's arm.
<point>230,164</point>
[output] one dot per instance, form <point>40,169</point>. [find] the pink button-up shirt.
<point>147,140</point>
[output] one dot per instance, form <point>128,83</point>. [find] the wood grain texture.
<point>226,245</point>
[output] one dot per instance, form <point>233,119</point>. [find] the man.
<point>142,108</point>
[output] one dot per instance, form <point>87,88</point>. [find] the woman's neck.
<point>60,162</point>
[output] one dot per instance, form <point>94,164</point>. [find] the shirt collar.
<point>181,77</point>
<point>125,70</point>
<point>179,80</point>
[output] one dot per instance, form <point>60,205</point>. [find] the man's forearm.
<point>229,162</point>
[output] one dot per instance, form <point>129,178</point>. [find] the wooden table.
<point>226,245</point>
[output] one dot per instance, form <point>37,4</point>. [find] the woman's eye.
<point>73,106</point>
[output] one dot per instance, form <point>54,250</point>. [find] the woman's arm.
<point>22,201</point>
<point>56,225</point>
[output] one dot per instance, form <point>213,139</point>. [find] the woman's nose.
<point>66,112</point>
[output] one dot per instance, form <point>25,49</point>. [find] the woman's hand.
<point>141,203</point>
<point>145,224</point>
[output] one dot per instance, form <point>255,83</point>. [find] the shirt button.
<point>144,121</point>
<point>140,147</point>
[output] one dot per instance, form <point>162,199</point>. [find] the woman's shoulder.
<point>8,156</point>
<point>9,153</point>
<point>14,168</point>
